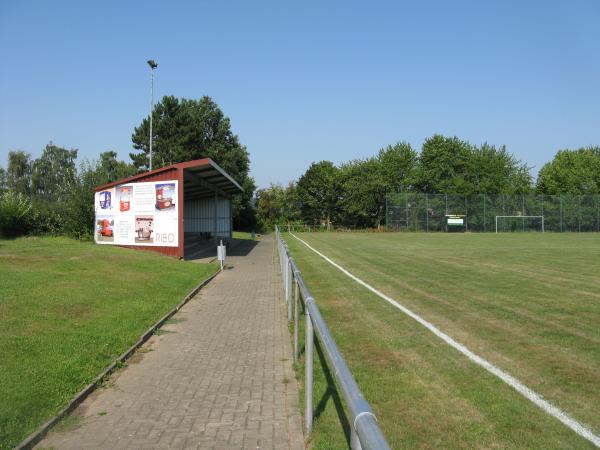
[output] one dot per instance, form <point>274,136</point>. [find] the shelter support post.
<point>215,217</point>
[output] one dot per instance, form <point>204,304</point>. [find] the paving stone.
<point>214,380</point>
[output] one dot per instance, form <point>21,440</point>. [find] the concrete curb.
<point>34,438</point>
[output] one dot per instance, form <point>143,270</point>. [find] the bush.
<point>15,214</point>
<point>47,218</point>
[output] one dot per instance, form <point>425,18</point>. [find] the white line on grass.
<point>528,393</point>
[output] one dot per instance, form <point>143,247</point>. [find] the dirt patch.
<point>70,422</point>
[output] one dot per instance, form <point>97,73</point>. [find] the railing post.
<point>280,255</point>
<point>285,276</point>
<point>308,375</point>
<point>289,288</point>
<point>296,314</point>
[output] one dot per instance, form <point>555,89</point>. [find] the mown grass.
<point>68,309</point>
<point>530,303</point>
<point>243,235</point>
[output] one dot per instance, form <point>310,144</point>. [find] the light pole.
<point>153,66</point>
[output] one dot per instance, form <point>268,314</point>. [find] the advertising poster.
<point>138,214</point>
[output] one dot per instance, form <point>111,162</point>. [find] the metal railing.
<point>365,432</point>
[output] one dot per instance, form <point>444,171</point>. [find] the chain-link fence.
<point>521,212</point>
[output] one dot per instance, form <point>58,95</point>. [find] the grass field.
<point>529,303</point>
<point>68,309</point>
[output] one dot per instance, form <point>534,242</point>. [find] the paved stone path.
<point>220,376</point>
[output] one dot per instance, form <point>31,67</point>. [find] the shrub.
<point>15,214</point>
<point>47,218</point>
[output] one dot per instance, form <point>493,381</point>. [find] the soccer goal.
<point>515,221</point>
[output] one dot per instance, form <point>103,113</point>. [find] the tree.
<point>18,173</point>
<point>276,205</point>
<point>397,166</point>
<point>443,165</point>
<point>109,168</point>
<point>494,170</point>
<point>53,173</point>
<point>574,172</point>
<point>187,129</point>
<point>452,166</point>
<point>3,180</point>
<point>244,213</point>
<point>365,184</point>
<point>269,205</point>
<point>78,213</point>
<point>362,200</point>
<point>319,192</point>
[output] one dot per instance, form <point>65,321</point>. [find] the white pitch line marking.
<point>526,392</point>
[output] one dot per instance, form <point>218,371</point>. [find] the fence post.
<point>308,373</point>
<point>598,213</point>
<point>523,209</point>
<point>386,212</point>
<point>484,217</point>
<point>288,288</point>
<point>561,213</point>
<point>542,213</point>
<point>296,314</point>
<point>446,204</point>
<point>427,211</point>
<point>406,198</point>
<point>466,214</point>
<point>286,274</point>
<point>280,256</point>
<point>579,215</point>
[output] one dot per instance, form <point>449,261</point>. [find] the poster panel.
<point>142,214</point>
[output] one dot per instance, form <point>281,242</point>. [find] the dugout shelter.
<point>176,210</point>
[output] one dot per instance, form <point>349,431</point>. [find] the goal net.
<point>519,223</point>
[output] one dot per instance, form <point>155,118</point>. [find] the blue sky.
<point>305,81</point>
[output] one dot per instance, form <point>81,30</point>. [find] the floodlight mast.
<point>153,66</point>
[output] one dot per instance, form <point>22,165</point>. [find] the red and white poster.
<point>138,214</point>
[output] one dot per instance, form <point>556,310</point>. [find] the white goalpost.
<point>520,217</point>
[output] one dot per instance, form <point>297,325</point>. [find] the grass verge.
<point>243,235</point>
<point>68,309</point>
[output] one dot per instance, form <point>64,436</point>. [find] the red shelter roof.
<point>201,172</point>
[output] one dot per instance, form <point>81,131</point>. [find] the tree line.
<point>54,193</point>
<point>353,193</point>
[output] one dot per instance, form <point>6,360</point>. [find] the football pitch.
<point>528,303</point>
